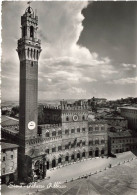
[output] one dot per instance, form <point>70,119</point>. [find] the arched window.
<point>54,133</point>
<point>59,148</point>
<point>102,128</point>
<point>37,54</point>
<point>67,118</point>
<point>83,154</point>
<point>24,31</point>
<point>67,158</point>
<point>39,130</point>
<point>90,153</point>
<point>59,160</point>
<point>83,117</point>
<point>67,131</point>
<point>34,53</point>
<point>102,141</point>
<point>102,151</point>
<point>90,128</point>
<point>72,130</point>
<point>31,53</point>
<point>90,143</point>
<point>32,31</point>
<point>96,141</point>
<point>96,152</point>
<point>78,155</point>
<point>59,132</point>
<point>53,163</point>
<point>72,157</point>
<point>47,151</point>
<point>54,149</point>
<point>28,53</point>
<point>96,128</point>
<point>47,134</point>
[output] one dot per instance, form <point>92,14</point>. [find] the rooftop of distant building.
<point>97,122</point>
<point>126,133</point>
<point>5,145</point>
<point>7,121</point>
<point>129,107</point>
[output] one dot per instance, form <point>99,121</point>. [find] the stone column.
<point>7,178</point>
<point>86,154</point>
<point>93,154</point>
<point>99,152</point>
<point>69,158</point>
<point>80,155</point>
<point>63,160</point>
<point>75,157</point>
<point>50,164</point>
<point>44,168</point>
<point>56,162</point>
<point>15,176</point>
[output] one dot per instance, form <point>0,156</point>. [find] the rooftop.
<point>126,133</point>
<point>7,121</point>
<point>129,107</point>
<point>5,145</point>
<point>114,117</point>
<point>97,122</point>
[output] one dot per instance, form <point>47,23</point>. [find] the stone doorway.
<point>38,169</point>
<point>53,163</point>
<point>97,153</point>
<point>78,155</point>
<point>90,153</point>
<point>47,164</point>
<point>83,154</point>
<point>60,160</point>
<point>102,152</point>
<point>67,158</point>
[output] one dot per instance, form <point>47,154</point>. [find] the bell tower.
<point>29,48</point>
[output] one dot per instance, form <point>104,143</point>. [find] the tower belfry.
<point>29,48</point>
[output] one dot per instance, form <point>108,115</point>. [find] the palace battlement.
<point>65,107</point>
<point>68,107</point>
<point>49,107</point>
<point>49,126</point>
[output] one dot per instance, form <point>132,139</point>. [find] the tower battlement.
<point>49,107</point>
<point>74,108</point>
<point>67,107</point>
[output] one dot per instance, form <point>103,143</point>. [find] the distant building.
<point>9,162</point>
<point>97,101</point>
<point>6,110</point>
<point>8,121</point>
<point>130,113</point>
<point>81,103</point>
<point>9,129</point>
<point>116,121</point>
<point>98,138</point>
<point>122,141</point>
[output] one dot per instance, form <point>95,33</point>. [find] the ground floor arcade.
<point>62,159</point>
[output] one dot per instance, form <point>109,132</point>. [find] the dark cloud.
<point>110,30</point>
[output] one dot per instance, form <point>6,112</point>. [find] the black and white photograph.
<point>68,97</point>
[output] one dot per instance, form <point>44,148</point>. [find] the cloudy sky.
<point>88,49</point>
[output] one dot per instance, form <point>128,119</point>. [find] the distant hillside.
<point>55,102</point>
